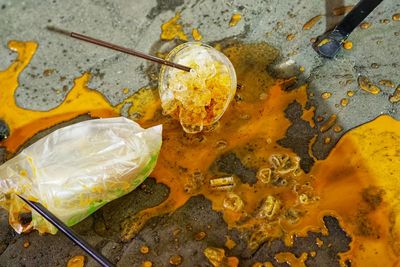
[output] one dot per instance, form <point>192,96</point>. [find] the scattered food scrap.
<point>290,37</point>
<point>339,11</point>
<point>387,83</point>
<point>344,102</point>
<point>26,244</point>
<point>196,34</point>
<point>230,243</point>
<point>337,128</point>
<point>395,97</point>
<point>176,260</point>
<point>144,249</point>
<point>77,261</point>
<point>365,25</point>
<point>291,259</point>
<point>384,21</point>
<point>365,84</point>
<point>172,29</point>
<point>329,123</point>
<point>309,24</point>
<point>200,236</point>
<point>326,95</point>
<point>147,264</point>
<point>217,257</point>
<point>347,45</point>
<point>235,19</point>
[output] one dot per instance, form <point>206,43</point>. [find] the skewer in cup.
<point>118,48</point>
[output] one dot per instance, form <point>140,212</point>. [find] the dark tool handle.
<point>357,15</point>
<point>68,232</point>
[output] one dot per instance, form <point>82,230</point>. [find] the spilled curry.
<point>357,183</point>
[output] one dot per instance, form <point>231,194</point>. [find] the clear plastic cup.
<point>200,97</point>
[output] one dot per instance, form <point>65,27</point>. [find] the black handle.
<point>330,43</point>
<point>357,15</point>
<point>68,232</point>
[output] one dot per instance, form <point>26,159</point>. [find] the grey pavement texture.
<point>136,24</point>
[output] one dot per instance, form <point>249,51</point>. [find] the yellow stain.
<point>172,29</point>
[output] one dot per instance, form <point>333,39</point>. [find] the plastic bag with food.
<point>77,169</point>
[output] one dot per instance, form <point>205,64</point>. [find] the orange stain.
<point>25,123</point>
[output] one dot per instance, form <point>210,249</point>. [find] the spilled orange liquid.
<point>25,123</point>
<point>358,183</point>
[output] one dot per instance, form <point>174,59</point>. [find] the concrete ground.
<point>136,24</point>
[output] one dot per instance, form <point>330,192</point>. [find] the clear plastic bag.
<point>77,169</point>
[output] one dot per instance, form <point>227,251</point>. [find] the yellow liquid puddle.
<point>357,183</point>
<point>25,123</point>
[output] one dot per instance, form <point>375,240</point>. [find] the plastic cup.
<point>200,97</point>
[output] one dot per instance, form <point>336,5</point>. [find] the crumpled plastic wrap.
<point>77,169</point>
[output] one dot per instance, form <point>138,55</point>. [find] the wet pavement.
<point>137,24</point>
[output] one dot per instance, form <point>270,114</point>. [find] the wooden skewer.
<point>45,213</point>
<point>118,48</point>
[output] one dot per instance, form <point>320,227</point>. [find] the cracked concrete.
<point>137,25</point>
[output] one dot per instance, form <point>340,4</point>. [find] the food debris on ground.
<point>309,24</point>
<point>196,34</point>
<point>200,235</point>
<point>329,123</point>
<point>387,83</point>
<point>26,244</point>
<point>235,19</point>
<point>233,202</point>
<point>326,95</point>
<point>365,84</point>
<point>347,45</point>
<point>384,21</point>
<point>395,97</point>
<point>230,243</point>
<point>175,260</point>
<point>339,11</point>
<point>172,29</point>
<point>147,264</point>
<point>223,183</point>
<point>365,25</point>
<point>144,249</point>
<point>344,102</point>
<point>290,37</point>
<point>77,261</point>
<point>217,257</point>
<point>337,129</point>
